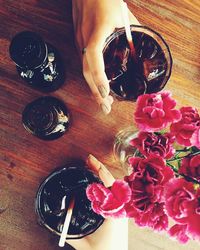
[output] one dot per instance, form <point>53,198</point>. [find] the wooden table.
<point>26,160</point>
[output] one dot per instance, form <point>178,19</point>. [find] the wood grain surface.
<point>26,160</point>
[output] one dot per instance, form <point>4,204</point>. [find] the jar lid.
<point>46,117</point>
<point>28,50</point>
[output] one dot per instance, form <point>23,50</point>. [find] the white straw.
<point>66,223</point>
<point>126,21</point>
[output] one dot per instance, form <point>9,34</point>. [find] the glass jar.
<point>122,149</point>
<point>37,62</point>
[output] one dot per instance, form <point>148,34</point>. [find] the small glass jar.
<point>37,62</point>
<point>144,70</point>
<point>69,181</point>
<point>46,117</point>
<point>122,149</point>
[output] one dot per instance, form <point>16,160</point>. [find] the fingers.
<point>95,62</point>
<point>101,170</point>
<point>93,38</point>
<point>94,68</point>
<point>99,91</point>
<point>105,103</point>
<point>95,59</point>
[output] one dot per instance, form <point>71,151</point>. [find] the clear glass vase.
<point>122,148</point>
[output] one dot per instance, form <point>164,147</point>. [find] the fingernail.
<point>92,158</point>
<point>105,108</point>
<point>102,91</point>
<point>111,100</point>
<point>98,164</point>
<point>93,163</point>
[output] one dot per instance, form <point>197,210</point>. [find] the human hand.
<point>94,21</point>
<point>113,233</point>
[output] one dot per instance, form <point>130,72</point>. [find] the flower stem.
<point>188,178</point>
<point>177,160</point>
<point>181,157</point>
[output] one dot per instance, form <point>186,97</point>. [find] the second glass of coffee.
<point>58,188</point>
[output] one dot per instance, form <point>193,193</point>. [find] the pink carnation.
<point>154,144</point>
<point>187,130</point>
<point>149,174</point>
<point>182,204</point>
<point>195,139</point>
<point>180,199</point>
<point>109,202</point>
<point>179,231</point>
<point>147,183</point>
<point>190,166</point>
<point>194,219</point>
<point>155,111</point>
<point>154,217</point>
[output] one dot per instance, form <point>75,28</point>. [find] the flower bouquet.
<point>163,189</point>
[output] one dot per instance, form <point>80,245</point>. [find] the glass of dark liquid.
<point>142,68</point>
<point>46,117</point>
<point>62,185</point>
<point>37,62</point>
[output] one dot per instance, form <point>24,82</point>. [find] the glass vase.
<point>122,148</point>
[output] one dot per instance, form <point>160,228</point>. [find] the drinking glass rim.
<point>41,219</point>
<point>120,31</point>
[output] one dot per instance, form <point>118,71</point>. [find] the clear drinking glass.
<point>147,70</point>
<point>70,181</point>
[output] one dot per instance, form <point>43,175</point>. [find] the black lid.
<point>28,50</point>
<point>46,117</point>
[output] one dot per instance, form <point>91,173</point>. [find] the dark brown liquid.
<point>133,75</point>
<point>71,181</point>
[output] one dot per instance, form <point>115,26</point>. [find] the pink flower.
<point>180,200</point>
<point>187,130</point>
<point>147,183</point>
<point>194,219</point>
<point>182,203</point>
<point>109,202</point>
<point>179,232</point>
<point>154,217</point>
<point>154,144</point>
<point>190,166</point>
<point>155,111</point>
<point>195,139</point>
<point>151,171</point>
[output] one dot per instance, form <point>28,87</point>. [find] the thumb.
<point>101,170</point>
